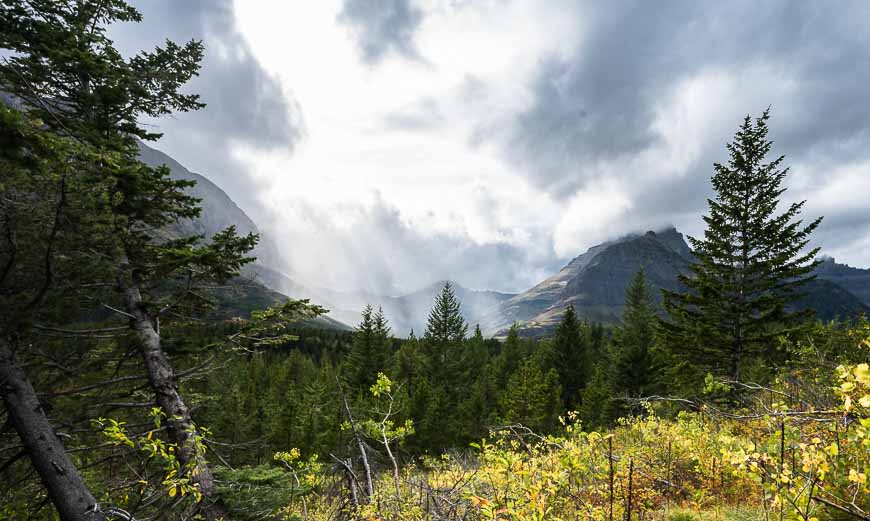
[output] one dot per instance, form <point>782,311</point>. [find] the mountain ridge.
<point>595,283</point>
<point>257,287</point>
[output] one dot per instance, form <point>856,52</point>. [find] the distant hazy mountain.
<point>261,284</point>
<point>408,312</point>
<point>595,284</point>
<point>854,280</point>
<point>411,311</point>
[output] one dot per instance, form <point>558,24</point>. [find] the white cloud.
<point>414,166</point>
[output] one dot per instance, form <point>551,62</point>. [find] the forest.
<point>126,396</point>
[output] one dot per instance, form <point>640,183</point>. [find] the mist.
<point>489,143</point>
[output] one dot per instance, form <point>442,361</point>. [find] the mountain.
<point>411,311</point>
<point>219,211</point>
<point>855,280</point>
<point>831,300</point>
<point>261,284</point>
<point>595,284</point>
<point>404,312</point>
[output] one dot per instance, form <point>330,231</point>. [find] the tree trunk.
<point>65,486</point>
<point>179,423</point>
<point>736,358</point>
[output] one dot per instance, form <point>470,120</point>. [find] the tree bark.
<point>163,380</point>
<point>66,488</point>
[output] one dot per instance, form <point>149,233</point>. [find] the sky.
<point>386,144</point>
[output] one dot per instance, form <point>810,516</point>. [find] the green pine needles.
<point>749,266</point>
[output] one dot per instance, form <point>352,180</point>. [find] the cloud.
<point>419,116</point>
<point>378,250</point>
<point>245,103</point>
<point>382,26</point>
<point>532,132</point>
<point>651,92</point>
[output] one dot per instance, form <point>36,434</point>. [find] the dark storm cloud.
<point>599,104</point>
<point>245,104</point>
<point>382,26</point>
<point>595,110</point>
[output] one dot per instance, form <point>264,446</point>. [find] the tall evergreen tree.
<point>749,266</point>
<point>634,367</point>
<point>64,69</point>
<point>478,403</point>
<point>513,352</point>
<point>598,407</point>
<point>435,399</point>
<point>371,350</point>
<point>444,338</point>
<point>446,324</point>
<point>571,357</point>
<point>532,397</point>
<point>49,200</point>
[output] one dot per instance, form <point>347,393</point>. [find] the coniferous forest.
<point>136,385</point>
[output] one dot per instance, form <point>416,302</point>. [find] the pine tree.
<point>64,69</point>
<point>370,353</point>
<point>571,357</point>
<point>478,404</point>
<point>634,367</point>
<point>436,396</point>
<point>598,408</point>
<point>444,338</point>
<point>532,397</point>
<point>513,352</point>
<point>445,324</point>
<point>749,266</point>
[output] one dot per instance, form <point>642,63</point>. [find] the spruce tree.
<point>513,352</point>
<point>598,408</point>
<point>749,266</point>
<point>571,357</point>
<point>634,367</point>
<point>445,324</point>
<point>370,353</point>
<point>444,338</point>
<point>443,348</point>
<point>532,397</point>
<point>63,68</point>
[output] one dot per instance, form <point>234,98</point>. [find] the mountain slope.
<point>595,284</point>
<point>854,280</point>
<point>260,285</point>
<point>831,301</point>
<point>219,211</point>
<point>408,312</point>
